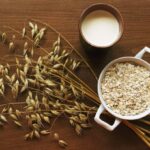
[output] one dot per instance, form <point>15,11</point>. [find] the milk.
<point>100,28</point>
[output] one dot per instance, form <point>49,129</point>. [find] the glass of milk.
<point>100,26</point>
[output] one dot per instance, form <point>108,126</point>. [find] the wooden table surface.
<point>64,15</point>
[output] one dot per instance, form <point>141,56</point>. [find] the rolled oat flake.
<point>126,88</point>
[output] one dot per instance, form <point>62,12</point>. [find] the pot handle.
<point>103,123</point>
<point>142,52</point>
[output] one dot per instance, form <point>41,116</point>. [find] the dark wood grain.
<point>64,15</point>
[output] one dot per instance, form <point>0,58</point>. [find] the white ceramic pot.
<point>118,118</point>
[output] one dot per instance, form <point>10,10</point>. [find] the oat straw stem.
<point>42,93</point>
<point>145,130</point>
<point>27,37</point>
<point>144,121</point>
<point>92,95</point>
<point>64,38</point>
<point>87,92</point>
<point>59,62</point>
<point>138,132</point>
<point>43,110</point>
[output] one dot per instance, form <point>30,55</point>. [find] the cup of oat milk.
<point>100,26</point>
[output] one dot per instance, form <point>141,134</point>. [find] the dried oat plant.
<point>48,84</point>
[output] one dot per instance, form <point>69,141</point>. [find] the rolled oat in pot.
<point>126,88</point>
